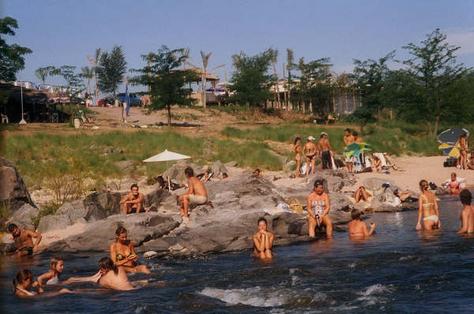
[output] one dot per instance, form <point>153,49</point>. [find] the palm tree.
<point>43,72</point>
<point>205,61</point>
<point>94,62</point>
<point>274,57</point>
<point>88,74</point>
<point>289,66</point>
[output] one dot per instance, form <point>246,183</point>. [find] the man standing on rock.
<point>196,194</point>
<point>325,147</point>
<point>318,207</point>
<point>310,150</point>
<point>133,202</point>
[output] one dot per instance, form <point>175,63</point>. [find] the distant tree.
<point>205,62</point>
<point>43,72</point>
<point>435,71</point>
<point>73,80</point>
<point>290,65</point>
<point>314,85</point>
<point>111,69</point>
<point>251,82</point>
<point>274,59</point>
<point>88,74</point>
<point>12,57</point>
<point>165,78</point>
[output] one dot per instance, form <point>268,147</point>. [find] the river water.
<point>398,270</point>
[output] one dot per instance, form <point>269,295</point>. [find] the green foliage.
<point>165,78</point>
<point>12,57</point>
<point>43,72</point>
<point>251,80</point>
<point>111,69</point>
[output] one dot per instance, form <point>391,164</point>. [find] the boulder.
<point>176,172</point>
<point>25,216</point>
<point>13,190</point>
<point>125,164</point>
<point>74,210</point>
<point>53,222</point>
<point>100,205</point>
<point>375,185</point>
<point>218,169</point>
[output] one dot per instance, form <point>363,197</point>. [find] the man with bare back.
<point>196,194</point>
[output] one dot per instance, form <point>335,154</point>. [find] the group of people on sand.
<point>112,272</point>
<point>311,151</point>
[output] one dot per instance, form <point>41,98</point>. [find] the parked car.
<point>134,99</point>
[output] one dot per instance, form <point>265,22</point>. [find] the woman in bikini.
<point>318,207</point>
<point>122,253</point>
<point>298,152</point>
<point>56,267</point>
<point>263,241</point>
<point>428,209</point>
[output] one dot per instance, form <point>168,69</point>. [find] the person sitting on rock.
<point>318,207</point>
<point>109,276</point>
<point>122,253</point>
<point>362,195</point>
<point>23,238</point>
<point>467,213</point>
<point>357,228</point>
<point>133,201</point>
<point>196,194</point>
<point>263,241</point>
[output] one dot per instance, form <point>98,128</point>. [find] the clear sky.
<point>64,32</point>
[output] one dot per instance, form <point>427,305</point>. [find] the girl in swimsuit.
<point>263,241</point>
<point>56,267</point>
<point>463,149</point>
<point>298,151</point>
<point>122,253</point>
<point>318,210</point>
<point>23,283</point>
<point>428,209</point>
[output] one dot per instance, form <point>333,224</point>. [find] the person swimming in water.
<point>427,209</point>
<point>263,241</point>
<point>318,207</point>
<point>357,228</point>
<point>122,253</point>
<point>56,267</point>
<point>23,283</point>
<point>23,238</point>
<point>109,276</point>
<point>467,213</point>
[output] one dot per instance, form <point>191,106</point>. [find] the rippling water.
<point>399,270</point>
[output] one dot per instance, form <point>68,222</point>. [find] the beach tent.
<point>167,156</point>
<point>451,136</point>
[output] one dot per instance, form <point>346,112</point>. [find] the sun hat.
<point>311,138</point>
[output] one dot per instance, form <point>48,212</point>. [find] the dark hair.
<point>424,184</point>
<point>134,186</point>
<point>466,197</point>
<point>120,230</point>
<point>348,130</point>
<point>262,219</point>
<point>11,227</point>
<point>454,174</point>
<point>107,264</point>
<point>355,214</point>
<point>22,276</point>
<point>296,140</point>
<point>189,172</point>
<point>318,182</point>
<point>354,132</point>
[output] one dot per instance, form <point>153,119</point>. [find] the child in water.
<point>56,267</point>
<point>23,283</point>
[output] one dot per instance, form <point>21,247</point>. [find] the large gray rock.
<point>101,205</point>
<point>74,210</point>
<point>375,185</point>
<point>218,169</point>
<point>176,172</point>
<point>13,190</point>
<point>53,222</point>
<point>25,216</point>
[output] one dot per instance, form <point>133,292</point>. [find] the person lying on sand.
<point>357,228</point>
<point>310,150</point>
<point>23,238</point>
<point>467,213</point>
<point>318,207</point>
<point>133,201</point>
<point>362,195</point>
<point>56,267</point>
<point>122,253</point>
<point>427,209</point>
<point>196,194</point>
<point>23,283</point>
<point>109,276</point>
<point>263,241</point>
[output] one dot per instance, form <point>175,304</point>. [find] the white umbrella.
<point>167,156</point>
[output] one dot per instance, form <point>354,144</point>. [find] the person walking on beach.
<point>263,241</point>
<point>133,202</point>
<point>325,148</point>
<point>196,194</point>
<point>24,244</point>
<point>467,213</point>
<point>298,152</point>
<point>310,150</point>
<point>318,206</point>
<point>427,209</point>
<point>357,228</point>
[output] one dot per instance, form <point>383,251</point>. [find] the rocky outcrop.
<point>25,216</point>
<point>13,191</point>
